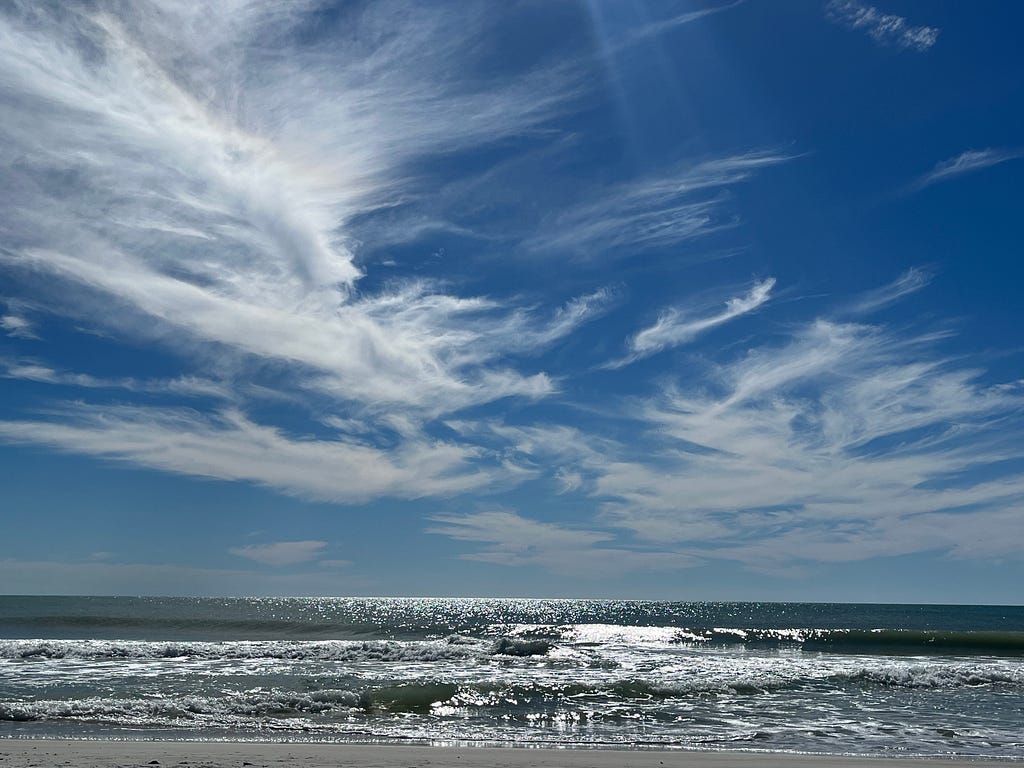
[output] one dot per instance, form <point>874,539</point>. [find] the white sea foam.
<point>939,675</point>
<point>326,650</point>
<point>182,711</point>
<point>606,634</point>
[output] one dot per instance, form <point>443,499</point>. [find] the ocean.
<point>910,680</point>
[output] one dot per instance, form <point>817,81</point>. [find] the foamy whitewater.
<point>838,679</point>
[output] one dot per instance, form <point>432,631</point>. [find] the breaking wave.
<point>452,647</point>
<point>328,650</point>
<point>533,640</point>
<point>869,641</point>
<point>284,709</point>
<point>272,706</point>
<point>936,676</point>
<point>510,646</point>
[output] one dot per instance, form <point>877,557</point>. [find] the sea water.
<point>824,678</point>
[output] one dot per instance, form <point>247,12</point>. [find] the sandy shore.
<point>27,753</point>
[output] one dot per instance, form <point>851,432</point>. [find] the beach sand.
<point>33,753</point>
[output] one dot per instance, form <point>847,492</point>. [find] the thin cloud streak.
<point>232,447</point>
<point>654,212</point>
<point>883,28</point>
<point>911,281</point>
<point>676,327</point>
<point>964,163</point>
<point>656,28</point>
<point>29,370</point>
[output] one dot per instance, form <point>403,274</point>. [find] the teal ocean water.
<point>827,678</point>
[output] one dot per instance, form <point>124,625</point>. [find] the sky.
<point>564,298</point>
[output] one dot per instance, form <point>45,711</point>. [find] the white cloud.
<point>965,162</point>
<point>911,281</point>
<point>847,433</point>
<point>413,347</point>
<point>884,28</point>
<point>281,552</point>
<point>181,176</point>
<point>188,174</point>
<point>568,318</point>
<point>846,442</point>
<point>229,446</point>
<point>220,218</point>
<point>657,211</point>
<point>535,448</point>
<point>33,372</point>
<point>182,385</point>
<point>676,326</point>
<point>18,327</point>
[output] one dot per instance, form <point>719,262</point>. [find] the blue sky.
<point>670,300</point>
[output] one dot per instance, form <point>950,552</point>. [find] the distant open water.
<point>826,678</point>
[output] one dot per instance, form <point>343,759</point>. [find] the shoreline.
<point>32,752</point>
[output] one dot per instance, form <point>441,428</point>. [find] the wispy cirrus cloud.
<point>661,26</point>
<point>836,439</point>
<point>194,176</point>
<point>226,223</point>
<point>208,209</point>
<point>966,162</point>
<point>17,327</point>
<point>911,281</point>
<point>883,28</point>
<point>31,370</point>
<point>230,446</point>
<point>677,326</point>
<point>844,442</point>
<point>657,211</point>
<point>187,174</point>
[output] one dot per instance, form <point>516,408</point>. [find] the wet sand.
<point>31,753</point>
